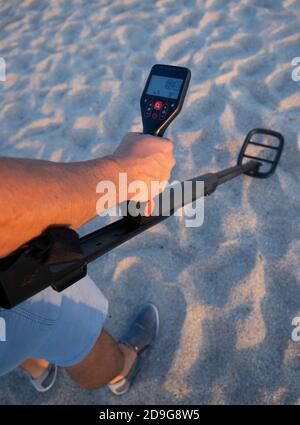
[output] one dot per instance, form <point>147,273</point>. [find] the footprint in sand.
<point>281,82</point>
<point>178,45</point>
<point>83,137</point>
<point>259,65</point>
<point>81,99</point>
<point>60,72</point>
<point>211,103</point>
<point>209,288</point>
<point>136,37</point>
<point>261,93</point>
<point>84,131</point>
<point>240,45</point>
<point>203,108</point>
<point>191,19</point>
<point>16,112</point>
<point>71,32</point>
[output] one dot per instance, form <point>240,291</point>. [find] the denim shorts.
<point>59,327</point>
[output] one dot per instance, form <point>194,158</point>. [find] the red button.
<point>158,105</point>
<point>154,115</point>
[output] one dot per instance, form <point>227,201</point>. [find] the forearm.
<point>36,194</point>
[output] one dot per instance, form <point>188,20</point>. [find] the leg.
<point>108,361</point>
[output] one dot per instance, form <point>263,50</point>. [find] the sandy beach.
<point>228,291</point>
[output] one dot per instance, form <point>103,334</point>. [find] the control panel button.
<point>149,108</point>
<point>163,112</point>
<point>154,115</point>
<point>158,105</point>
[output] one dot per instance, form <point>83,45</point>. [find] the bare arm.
<point>35,194</point>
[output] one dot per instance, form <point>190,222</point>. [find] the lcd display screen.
<point>164,86</point>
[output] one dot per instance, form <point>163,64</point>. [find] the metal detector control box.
<point>163,97</point>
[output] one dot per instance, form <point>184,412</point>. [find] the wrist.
<point>109,168</point>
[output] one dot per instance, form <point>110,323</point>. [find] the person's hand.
<point>145,158</point>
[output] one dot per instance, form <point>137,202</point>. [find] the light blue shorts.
<point>59,327</point>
